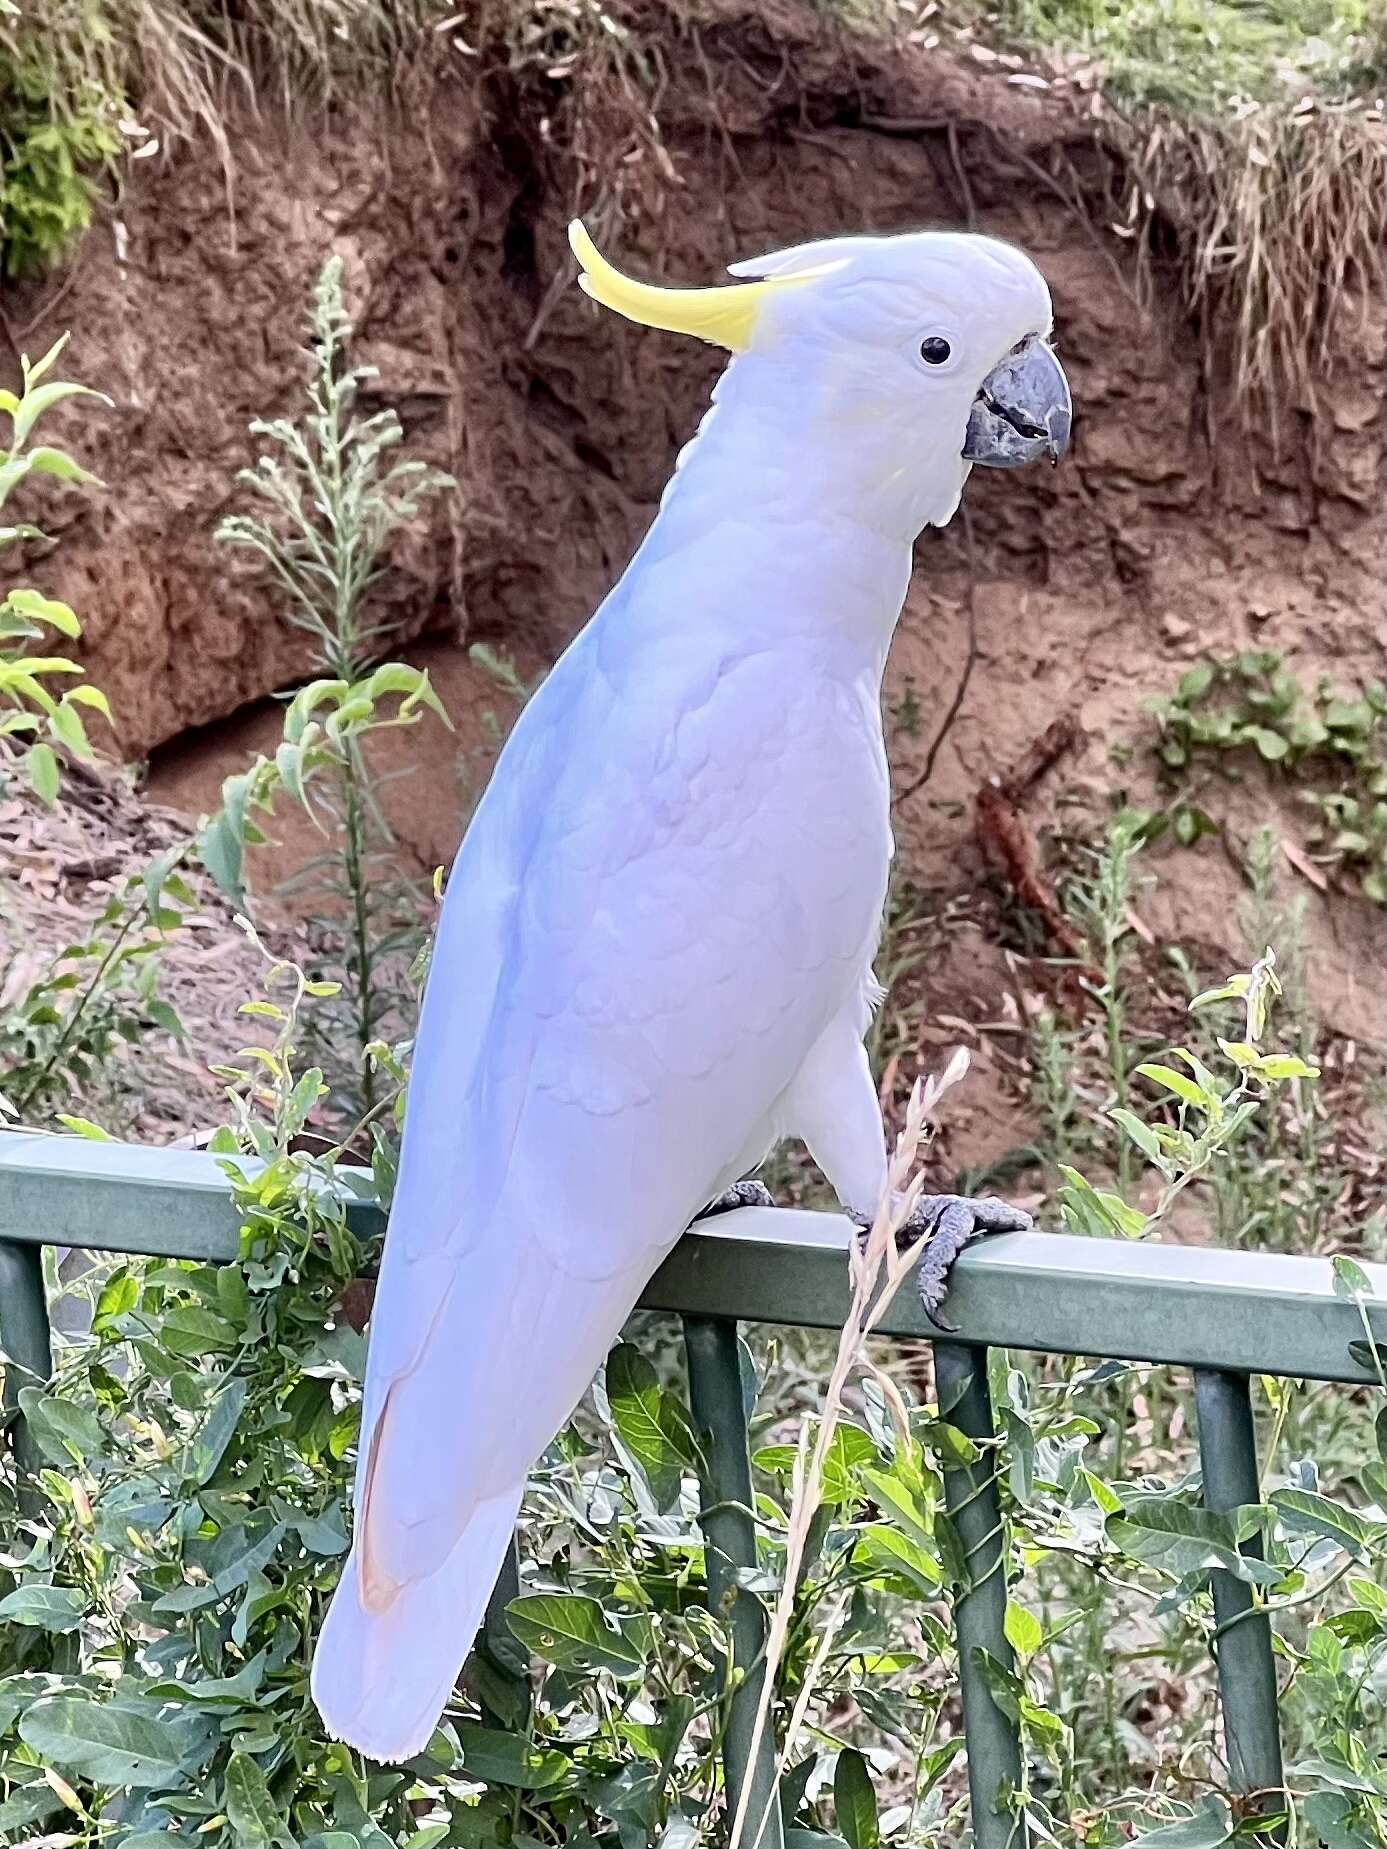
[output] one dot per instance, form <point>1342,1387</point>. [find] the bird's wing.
<point>632,965</point>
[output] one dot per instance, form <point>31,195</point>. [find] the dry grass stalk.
<point>1279,218</point>
<point>878,1266</point>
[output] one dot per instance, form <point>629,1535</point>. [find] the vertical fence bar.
<point>970,1493</point>
<point>729,1532</point>
<point>24,1338</point>
<point>501,1651</point>
<point>1246,1666</point>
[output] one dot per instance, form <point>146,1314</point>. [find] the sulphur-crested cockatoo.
<point>655,954</point>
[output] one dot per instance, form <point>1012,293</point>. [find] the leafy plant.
<point>1209,1113</point>
<point>47,192</point>
<point>1249,708</point>
<point>34,717</point>
<point>191,1517</point>
<point>332,496</point>
<point>59,1035</point>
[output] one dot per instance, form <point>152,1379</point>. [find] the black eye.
<point>935,350</point>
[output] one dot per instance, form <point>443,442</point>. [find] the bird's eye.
<point>935,350</point>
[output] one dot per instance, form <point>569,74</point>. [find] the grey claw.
<point>740,1194</point>
<point>951,1221</point>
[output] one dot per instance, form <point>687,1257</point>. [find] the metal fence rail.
<point>1226,1315</point>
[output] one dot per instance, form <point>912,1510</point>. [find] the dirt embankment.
<point>1171,530</point>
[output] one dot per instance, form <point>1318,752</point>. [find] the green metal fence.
<point>1224,1315</point>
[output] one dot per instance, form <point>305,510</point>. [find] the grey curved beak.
<point>1023,411</point>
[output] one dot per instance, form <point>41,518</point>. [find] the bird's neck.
<point>810,538</point>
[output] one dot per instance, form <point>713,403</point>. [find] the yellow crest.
<point>726,316</point>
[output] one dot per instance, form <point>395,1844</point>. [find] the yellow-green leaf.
<point>42,766</point>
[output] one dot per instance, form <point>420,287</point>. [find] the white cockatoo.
<point>655,953</point>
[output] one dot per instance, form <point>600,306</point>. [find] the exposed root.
<point>1009,850</point>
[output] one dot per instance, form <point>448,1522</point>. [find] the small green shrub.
<point>1330,745</point>
<point>58,1036</point>
<point>191,1515</point>
<point>331,495</point>
<point>33,717</point>
<point>47,192</point>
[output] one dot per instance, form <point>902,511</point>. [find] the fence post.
<point>1242,1640</point>
<point>25,1342</point>
<point>970,1494</point>
<point>729,1533</point>
<point>499,1660</point>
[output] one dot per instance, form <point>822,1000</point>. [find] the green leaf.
<point>191,1331</point>
<point>255,1819</point>
<point>27,1804</point>
<point>1350,1279</point>
<point>900,1500</point>
<point>119,1295</point>
<point>238,1552</point>
<point>1024,1631</point>
<point>854,1801</point>
<point>1331,1815</point>
<point>398,677</point>
<point>109,1744</point>
<point>322,1534</point>
<point>221,837</point>
<point>235,1690</point>
<point>37,608</point>
<point>651,1424</point>
<point>84,1127</point>
<point>61,1430</point>
<point>44,1608</point>
<point>1369,1355</point>
<point>1184,1541</point>
<point>1097,1212</point>
<point>218,1429</point>
<point>1233,990</point>
<point>42,766</point>
<point>1004,1685</point>
<point>849,1449</point>
<point>1304,1512</point>
<point>573,1632</point>
<point>896,1557</point>
<point>160,1014</point>
<point>306,1093</point>
<point>1210,1826</point>
<point>506,1759</point>
<point>35,402</point>
<point>1285,1066</point>
<point>33,370</point>
<point>56,462</point>
<point>1272,746</point>
<point>1183,1088</point>
<point>1141,1134</point>
<point>186,1598</point>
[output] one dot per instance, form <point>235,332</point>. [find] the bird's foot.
<point>949,1222</point>
<point>740,1194</point>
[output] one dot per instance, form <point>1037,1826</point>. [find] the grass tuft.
<point>1254,130</point>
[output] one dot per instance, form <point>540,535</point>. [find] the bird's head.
<point>930,347</point>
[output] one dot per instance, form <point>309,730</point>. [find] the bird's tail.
<point>381,1679</point>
